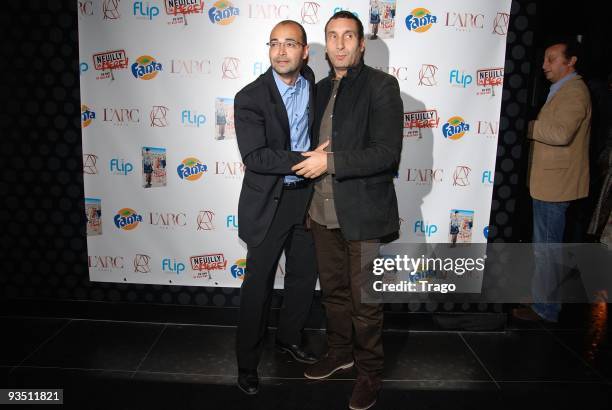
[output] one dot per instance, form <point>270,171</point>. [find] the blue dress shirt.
<point>296,97</point>
<point>555,87</point>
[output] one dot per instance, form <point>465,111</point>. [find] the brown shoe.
<point>327,365</point>
<point>365,392</point>
<point>527,314</point>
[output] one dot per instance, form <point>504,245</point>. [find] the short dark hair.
<point>573,48</point>
<point>285,22</point>
<point>345,14</point>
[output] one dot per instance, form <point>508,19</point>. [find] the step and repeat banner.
<point>162,170</point>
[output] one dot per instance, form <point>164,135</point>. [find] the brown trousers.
<point>353,328</point>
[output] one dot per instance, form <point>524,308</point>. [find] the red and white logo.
<point>190,68</point>
<point>110,9</point>
<point>110,60</point>
<point>424,176</point>
<point>121,116</point>
<point>416,120</point>
<point>464,21</point>
<point>461,175</point>
<point>489,78</point>
<point>268,11</point>
<point>500,24</point>
<point>105,263</point>
<point>205,220</point>
<point>427,75</point>
<point>141,263</point>
<point>158,116</point>
<point>230,68</point>
<point>167,220</point>
<point>310,12</point>
<point>487,128</point>
<point>203,265</point>
<point>89,164</point>
<point>85,8</point>
<point>230,169</point>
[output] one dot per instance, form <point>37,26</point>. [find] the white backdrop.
<point>157,85</point>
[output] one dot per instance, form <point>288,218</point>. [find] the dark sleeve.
<point>253,144</point>
<point>384,136</point>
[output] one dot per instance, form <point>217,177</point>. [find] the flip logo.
<point>462,79</point>
<point>120,168</point>
<point>142,11</point>
<point>425,229</point>
<point>172,266</point>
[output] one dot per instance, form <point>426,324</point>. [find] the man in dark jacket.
<point>273,117</point>
<point>360,113</point>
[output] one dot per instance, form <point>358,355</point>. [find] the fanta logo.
<point>455,128</point>
<point>87,116</point>
<point>223,13</point>
<point>238,269</point>
<point>127,219</point>
<point>191,169</point>
<point>146,68</point>
<point>420,20</point>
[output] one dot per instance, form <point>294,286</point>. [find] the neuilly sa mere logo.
<point>109,60</point>
<point>127,219</point>
<point>223,13</point>
<point>191,169</point>
<point>455,128</point>
<point>146,68</point>
<point>420,20</point>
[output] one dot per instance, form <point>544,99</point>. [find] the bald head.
<point>303,39</point>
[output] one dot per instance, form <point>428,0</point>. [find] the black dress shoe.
<point>297,352</point>
<point>248,381</point>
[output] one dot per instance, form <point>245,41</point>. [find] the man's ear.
<point>572,61</point>
<point>306,51</point>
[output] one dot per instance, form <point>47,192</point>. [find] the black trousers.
<point>287,232</point>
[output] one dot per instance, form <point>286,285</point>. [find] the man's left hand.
<point>313,166</point>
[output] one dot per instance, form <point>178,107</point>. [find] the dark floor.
<point>116,364</point>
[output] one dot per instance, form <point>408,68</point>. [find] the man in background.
<point>558,171</point>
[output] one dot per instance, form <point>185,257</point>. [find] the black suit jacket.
<point>367,135</point>
<point>262,130</point>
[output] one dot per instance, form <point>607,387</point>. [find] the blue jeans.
<point>548,228</point>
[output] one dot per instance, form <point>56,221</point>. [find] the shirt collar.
<point>283,87</point>
<point>558,84</point>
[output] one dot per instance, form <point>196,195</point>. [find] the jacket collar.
<point>351,73</point>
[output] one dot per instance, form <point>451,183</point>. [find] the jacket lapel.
<point>277,102</point>
<point>309,76</point>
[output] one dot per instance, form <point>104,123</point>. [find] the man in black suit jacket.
<point>273,117</point>
<point>359,111</point>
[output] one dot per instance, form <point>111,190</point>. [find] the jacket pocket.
<point>253,186</point>
<point>378,179</point>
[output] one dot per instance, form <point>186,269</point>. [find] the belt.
<point>302,183</point>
